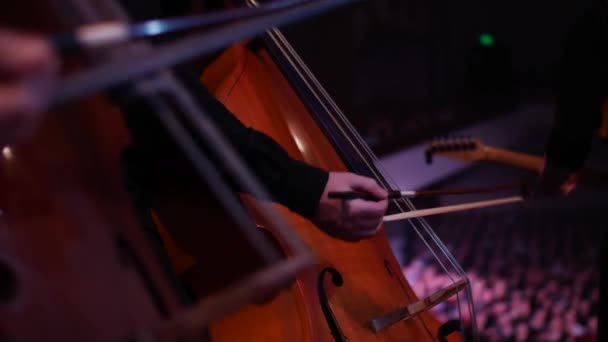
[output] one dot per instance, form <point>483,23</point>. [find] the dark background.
<point>407,70</point>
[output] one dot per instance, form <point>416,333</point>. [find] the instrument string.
<point>420,225</point>
<point>343,124</point>
<point>364,152</point>
<point>183,137</point>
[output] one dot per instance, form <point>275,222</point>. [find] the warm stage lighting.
<point>7,153</point>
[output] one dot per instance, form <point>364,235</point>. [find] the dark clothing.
<point>293,183</point>
<point>583,89</point>
<point>155,163</point>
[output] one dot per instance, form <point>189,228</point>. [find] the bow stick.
<point>106,33</point>
<point>453,208</point>
<point>396,194</point>
<point>125,69</point>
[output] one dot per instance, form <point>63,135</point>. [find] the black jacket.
<point>293,183</point>
<point>582,90</point>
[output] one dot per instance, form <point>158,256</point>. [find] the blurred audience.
<point>533,276</point>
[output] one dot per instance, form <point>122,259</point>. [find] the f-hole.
<point>338,281</point>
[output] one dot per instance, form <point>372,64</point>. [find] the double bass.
<point>75,265</point>
<point>355,291</point>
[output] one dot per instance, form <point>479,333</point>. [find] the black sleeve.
<point>581,92</point>
<point>293,183</point>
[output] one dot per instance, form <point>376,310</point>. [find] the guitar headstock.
<point>464,149</point>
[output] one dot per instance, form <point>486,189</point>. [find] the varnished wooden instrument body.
<point>353,282</point>
<point>75,264</point>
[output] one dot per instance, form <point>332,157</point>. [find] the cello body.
<point>352,283</point>
<point>74,263</point>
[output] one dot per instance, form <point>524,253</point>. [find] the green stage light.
<point>486,39</point>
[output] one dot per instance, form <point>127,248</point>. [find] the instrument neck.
<point>516,159</point>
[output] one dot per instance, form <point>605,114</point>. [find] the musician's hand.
<point>351,220</point>
<point>27,72</point>
<point>555,181</point>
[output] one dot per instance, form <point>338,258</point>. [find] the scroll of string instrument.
<point>357,291</point>
<point>75,265</point>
